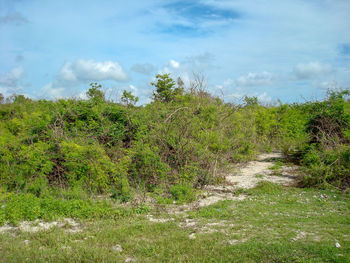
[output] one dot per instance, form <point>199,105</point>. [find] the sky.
<point>290,50</point>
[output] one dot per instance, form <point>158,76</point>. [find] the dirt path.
<point>247,176</point>
<point>253,172</point>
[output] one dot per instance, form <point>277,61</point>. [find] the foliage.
<point>95,93</point>
<point>19,207</point>
<point>88,165</point>
<point>327,155</point>
<point>122,190</point>
<point>165,87</point>
<point>182,137</point>
<point>128,99</point>
<point>182,193</point>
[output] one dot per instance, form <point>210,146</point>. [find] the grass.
<point>273,224</point>
<point>19,207</point>
<point>277,166</point>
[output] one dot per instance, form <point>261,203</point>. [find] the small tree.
<point>164,88</point>
<point>180,83</point>
<point>250,101</point>
<point>128,99</point>
<point>95,93</point>
<point>2,98</point>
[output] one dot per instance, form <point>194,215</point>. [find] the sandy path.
<point>247,176</point>
<point>253,172</point>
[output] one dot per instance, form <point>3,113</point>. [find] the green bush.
<point>88,165</point>
<point>147,166</point>
<point>19,207</point>
<point>327,157</point>
<point>182,193</point>
<point>326,167</point>
<point>122,190</point>
<point>182,136</point>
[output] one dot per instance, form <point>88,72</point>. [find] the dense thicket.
<point>177,142</point>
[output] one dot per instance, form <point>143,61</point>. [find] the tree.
<point>180,83</point>
<point>95,93</point>
<point>250,101</point>
<point>129,99</point>
<point>164,88</point>
<point>2,98</point>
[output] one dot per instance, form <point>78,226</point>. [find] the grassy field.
<point>272,224</point>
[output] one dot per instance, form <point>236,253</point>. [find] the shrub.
<point>88,165</point>
<point>165,86</point>
<point>182,193</point>
<point>182,137</point>
<point>327,158</point>
<point>147,166</point>
<point>122,190</point>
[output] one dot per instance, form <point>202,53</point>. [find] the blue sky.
<point>291,49</point>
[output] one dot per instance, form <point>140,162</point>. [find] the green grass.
<point>273,224</point>
<point>276,167</point>
<point>18,207</point>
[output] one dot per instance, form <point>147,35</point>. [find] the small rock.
<point>118,248</point>
<point>26,242</point>
<point>192,236</point>
<point>337,245</point>
<point>233,241</point>
<point>129,259</point>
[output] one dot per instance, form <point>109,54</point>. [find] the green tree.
<point>95,93</point>
<point>250,101</point>
<point>164,88</point>
<point>128,99</point>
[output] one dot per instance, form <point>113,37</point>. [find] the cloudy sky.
<point>290,49</point>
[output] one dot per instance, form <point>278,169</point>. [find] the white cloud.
<point>255,79</point>
<point>72,74</point>
<point>89,70</point>
<point>228,82</point>
<point>82,95</point>
<point>165,70</point>
<point>311,70</point>
<point>174,63</point>
<point>10,81</point>
<point>132,87</point>
<point>172,67</point>
<point>66,73</point>
<point>328,85</point>
<point>54,92</point>
<point>264,98</point>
